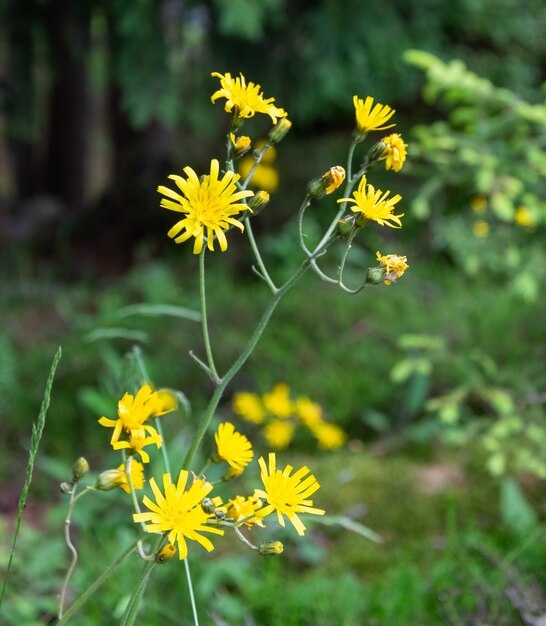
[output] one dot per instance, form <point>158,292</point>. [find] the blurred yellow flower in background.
<point>480,228</point>
<point>278,401</point>
<point>279,433</point>
<point>248,406</point>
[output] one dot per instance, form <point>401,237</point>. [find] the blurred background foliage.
<point>438,380</point>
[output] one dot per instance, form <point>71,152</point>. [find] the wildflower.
<point>278,132</point>
<point>258,202</point>
<point>329,436</point>
<point>524,217</point>
<point>177,511</point>
<point>133,412</point>
<point>309,412</point>
<point>373,204</point>
<point>270,548</point>
<point>110,479</point>
<point>209,205</point>
<point>278,401</point>
<point>167,552</point>
<point>286,494</point>
<point>478,204</point>
<point>327,183</point>
<point>80,468</point>
<point>233,447</point>
<point>368,119</point>
<point>278,434</point>
<point>245,100</point>
<point>239,145</point>
<point>138,441</point>
<point>241,508</point>
<point>394,265</point>
<point>249,407</point>
<point>480,228</point>
<point>395,152</point>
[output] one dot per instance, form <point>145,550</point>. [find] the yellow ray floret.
<point>375,205</point>
<point>233,447</point>
<point>286,494</point>
<point>209,206</point>
<point>368,118</point>
<point>245,99</point>
<point>177,511</point>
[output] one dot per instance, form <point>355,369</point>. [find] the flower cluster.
<point>279,415</point>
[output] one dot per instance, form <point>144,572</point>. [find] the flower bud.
<point>208,505</point>
<point>346,227</point>
<point>79,469</point>
<point>66,487</point>
<point>334,176</point>
<point>240,145</point>
<point>375,275</point>
<point>258,202</point>
<point>278,132</point>
<point>109,479</point>
<point>270,548</point>
<point>167,552</point>
<point>376,152</point>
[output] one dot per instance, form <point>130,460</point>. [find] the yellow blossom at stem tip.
<point>374,205</point>
<point>395,152</point>
<point>177,512</point>
<point>209,205</point>
<point>370,117</point>
<point>233,447</point>
<point>287,494</point>
<point>394,265</point>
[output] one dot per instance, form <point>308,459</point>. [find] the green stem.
<point>133,607</point>
<point>88,593</point>
<point>264,273</point>
<point>251,344</point>
<point>204,320</point>
<point>190,588</point>
<point>72,549</point>
<point>244,539</point>
<point>306,202</point>
<point>256,163</point>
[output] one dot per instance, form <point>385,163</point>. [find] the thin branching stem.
<point>190,589</point>
<point>263,270</point>
<point>204,320</point>
<point>244,539</point>
<point>71,547</point>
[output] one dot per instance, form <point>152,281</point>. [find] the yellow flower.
<point>480,229</point>
<point>395,152</point>
<point>249,407</point>
<point>138,440</point>
<point>110,479</point>
<point>233,447</point>
<point>208,204</point>
<point>240,508</point>
<point>373,205</point>
<point>239,145</point>
<point>134,411</point>
<point>395,266</point>
<point>329,436</point>
<point>478,204</point>
<point>524,217</point>
<point>309,412</point>
<point>178,512</point>
<point>334,177</point>
<point>245,100</point>
<point>286,494</point>
<point>278,401</point>
<point>368,119</point>
<point>278,434</point>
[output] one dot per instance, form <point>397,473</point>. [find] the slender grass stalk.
<point>37,430</point>
<point>96,584</point>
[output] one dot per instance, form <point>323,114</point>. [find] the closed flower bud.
<point>376,152</point>
<point>375,275</point>
<point>167,552</point>
<point>270,548</point>
<point>258,202</point>
<point>278,132</point>
<point>334,176</point>
<point>109,479</point>
<point>346,226</point>
<point>208,505</point>
<point>79,469</point>
<point>239,146</point>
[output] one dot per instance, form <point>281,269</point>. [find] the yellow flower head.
<point>329,436</point>
<point>133,412</point>
<point>208,204</point>
<point>309,412</point>
<point>286,494</point>
<point>525,217</point>
<point>233,447</point>
<point>249,407</point>
<point>278,434</point>
<point>368,118</point>
<point>478,204</point>
<point>480,228</point>
<point>373,205</point>
<point>110,479</point>
<point>395,266</point>
<point>138,441</point>
<point>178,512</point>
<point>240,508</point>
<point>245,100</point>
<point>334,177</point>
<point>278,401</point>
<point>239,145</point>
<point>395,152</point>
